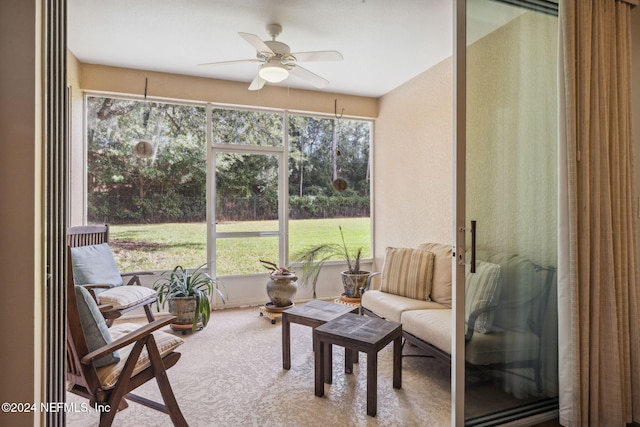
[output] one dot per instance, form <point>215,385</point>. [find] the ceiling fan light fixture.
<point>273,72</point>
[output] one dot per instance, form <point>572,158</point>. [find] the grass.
<point>163,246</point>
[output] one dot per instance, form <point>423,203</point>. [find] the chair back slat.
<point>87,235</point>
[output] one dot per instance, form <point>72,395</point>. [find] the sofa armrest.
<point>368,284</point>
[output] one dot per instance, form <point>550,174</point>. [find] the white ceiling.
<point>384,43</point>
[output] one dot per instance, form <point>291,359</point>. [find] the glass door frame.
<point>459,209</point>
<point>460,227</point>
<point>283,193</point>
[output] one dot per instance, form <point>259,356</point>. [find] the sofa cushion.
<point>432,326</point>
<point>481,290</point>
<point>407,272</point>
<point>441,283</point>
<point>94,265</point>
<point>390,306</point>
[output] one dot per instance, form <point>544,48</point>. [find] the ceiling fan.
<point>278,62</point>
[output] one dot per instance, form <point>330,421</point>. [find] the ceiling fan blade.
<point>257,83</point>
<point>256,42</point>
<point>310,77</point>
<point>320,55</point>
<point>238,61</point>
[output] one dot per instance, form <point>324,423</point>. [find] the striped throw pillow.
<point>481,290</point>
<point>408,272</point>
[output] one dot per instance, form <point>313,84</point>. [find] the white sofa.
<point>506,308</point>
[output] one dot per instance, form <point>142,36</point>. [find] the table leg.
<point>397,362</point>
<point>318,353</point>
<point>286,342</point>
<point>348,360</point>
<point>372,383</point>
<point>328,362</point>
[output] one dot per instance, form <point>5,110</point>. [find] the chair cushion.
<point>125,296</point>
<point>481,290</point>
<point>392,306</point>
<point>441,283</point>
<point>504,347</point>
<point>95,265</point>
<point>407,272</point>
<point>166,343</point>
<point>94,327</point>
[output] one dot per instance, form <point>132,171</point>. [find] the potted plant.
<point>313,259</point>
<point>187,294</point>
<point>281,286</point>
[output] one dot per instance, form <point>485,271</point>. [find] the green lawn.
<point>163,246</point>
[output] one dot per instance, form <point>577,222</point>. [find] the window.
<point>269,176</point>
<point>324,153</point>
<point>156,205</point>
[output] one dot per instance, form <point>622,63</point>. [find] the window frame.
<point>282,152</point>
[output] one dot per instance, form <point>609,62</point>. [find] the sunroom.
<point>391,123</point>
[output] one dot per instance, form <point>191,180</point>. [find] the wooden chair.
<point>143,356</point>
<point>121,298</point>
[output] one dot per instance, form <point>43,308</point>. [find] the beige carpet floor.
<point>230,374</point>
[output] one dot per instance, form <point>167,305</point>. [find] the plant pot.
<point>353,282</point>
<point>184,309</point>
<point>281,289</point>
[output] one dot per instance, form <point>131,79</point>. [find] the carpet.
<point>230,374</point>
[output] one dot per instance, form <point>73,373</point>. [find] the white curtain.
<point>598,272</point>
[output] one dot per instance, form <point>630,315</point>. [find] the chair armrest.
<point>137,273</point>
<point>135,279</point>
<point>472,320</point>
<point>143,332</point>
<point>97,286</point>
<point>368,284</point>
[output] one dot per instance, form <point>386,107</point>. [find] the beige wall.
<point>179,87</point>
<point>413,170</point>
<point>21,213</point>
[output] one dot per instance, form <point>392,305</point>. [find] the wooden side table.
<point>314,313</point>
<point>358,333</point>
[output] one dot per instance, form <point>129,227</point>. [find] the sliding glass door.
<point>510,216</point>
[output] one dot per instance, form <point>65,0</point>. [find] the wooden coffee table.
<point>314,313</point>
<point>358,333</point>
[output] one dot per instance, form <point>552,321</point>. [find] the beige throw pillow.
<point>482,290</point>
<point>442,267</point>
<point>408,272</point>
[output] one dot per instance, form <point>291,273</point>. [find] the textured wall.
<point>413,166</point>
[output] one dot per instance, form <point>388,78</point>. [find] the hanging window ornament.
<point>144,149</point>
<point>338,183</point>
